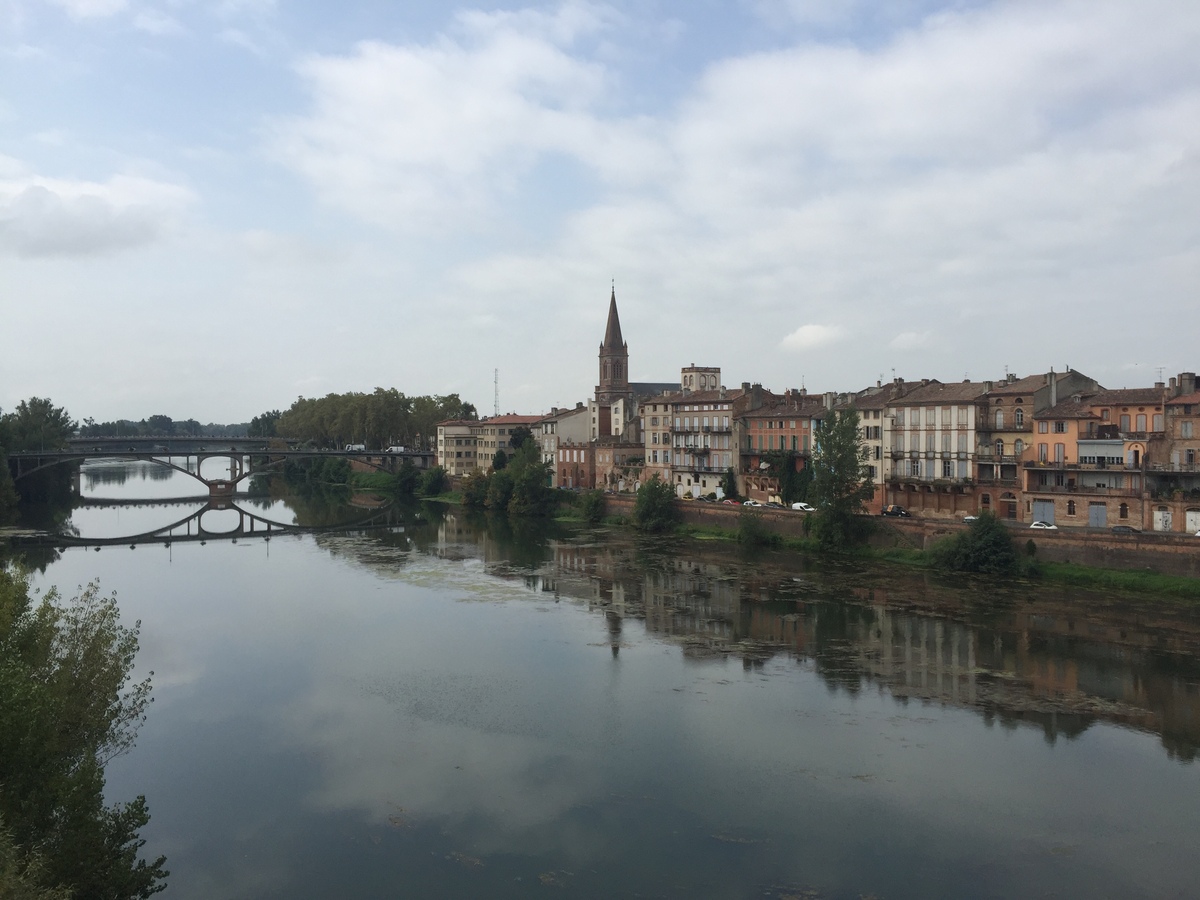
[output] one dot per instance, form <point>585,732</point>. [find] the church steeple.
<point>614,358</point>
<point>612,331</point>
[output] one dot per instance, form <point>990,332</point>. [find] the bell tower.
<point>614,359</point>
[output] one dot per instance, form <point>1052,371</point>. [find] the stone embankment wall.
<point>1170,554</point>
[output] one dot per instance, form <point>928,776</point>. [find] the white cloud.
<point>911,340</point>
<point>49,217</point>
<point>91,9</point>
<point>153,21</point>
<point>810,337</point>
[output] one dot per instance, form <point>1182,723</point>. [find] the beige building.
<point>456,446</point>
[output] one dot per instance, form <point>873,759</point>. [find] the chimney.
<point>1053,389</point>
<point>803,392</point>
<point>1187,383</point>
<point>1174,392</point>
<point>924,381</point>
<point>987,386</point>
<point>745,387</point>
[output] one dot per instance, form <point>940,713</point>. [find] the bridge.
<point>192,528</point>
<point>246,457</point>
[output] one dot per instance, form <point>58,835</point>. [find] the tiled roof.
<point>510,419</point>
<point>880,397</point>
<point>704,396</point>
<point>1128,396</point>
<point>1186,399</point>
<point>937,392</point>
<point>1069,409</point>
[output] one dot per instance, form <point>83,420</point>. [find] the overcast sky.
<point>211,207</point>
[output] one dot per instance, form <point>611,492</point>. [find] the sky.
<point>209,208</point>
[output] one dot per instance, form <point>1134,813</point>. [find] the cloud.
<point>153,21</point>
<point>911,340</point>
<point>810,337</point>
<point>46,217</point>
<point>435,135</point>
<point>91,9</point>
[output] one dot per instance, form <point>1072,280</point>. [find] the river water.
<point>431,705</point>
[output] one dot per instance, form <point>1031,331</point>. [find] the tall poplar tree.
<point>842,480</point>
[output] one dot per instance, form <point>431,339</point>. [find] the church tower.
<point>614,359</point>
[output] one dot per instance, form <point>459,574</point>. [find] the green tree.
<point>592,507</point>
<point>518,436</point>
<point>500,490</point>
<point>475,490</point>
<point>66,709</point>
<point>986,546</point>
<point>433,482</point>
<point>499,460</point>
<point>531,493</point>
<point>729,484</point>
<point>655,509</point>
<point>160,424</point>
<point>264,425</point>
<point>841,480</point>
<point>36,424</point>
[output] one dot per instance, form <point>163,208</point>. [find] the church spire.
<point>612,332</point>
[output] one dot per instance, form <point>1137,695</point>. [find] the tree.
<point>499,460</point>
<point>160,424</point>
<point>655,509</point>
<point>66,709</point>
<point>531,493</point>
<point>986,546</point>
<point>518,436</point>
<point>433,482</point>
<point>729,484</point>
<point>474,490</point>
<point>500,490</point>
<point>37,424</point>
<point>841,479</point>
<point>592,507</point>
<point>264,425</point>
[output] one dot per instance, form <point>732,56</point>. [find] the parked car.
<point>771,504</point>
<point>894,510</point>
<point>751,503</point>
<point>803,507</point>
<point>1125,529</point>
<point>969,519</point>
<point>1045,526</point>
<point>732,502</point>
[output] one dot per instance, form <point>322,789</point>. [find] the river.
<point>425,703</point>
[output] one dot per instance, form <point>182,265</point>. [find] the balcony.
<point>1085,490</point>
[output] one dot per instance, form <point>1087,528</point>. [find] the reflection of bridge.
<point>192,528</point>
<point>246,458</point>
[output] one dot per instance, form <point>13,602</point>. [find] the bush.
<point>474,490</point>
<point>655,509</point>
<point>499,490</point>
<point>752,532</point>
<point>986,546</point>
<point>591,507</point>
<point>433,482</point>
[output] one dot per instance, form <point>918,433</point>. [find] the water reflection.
<point>454,706</point>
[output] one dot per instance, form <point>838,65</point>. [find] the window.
<point>1060,427</point>
<point>900,417</point>
<point>930,437</point>
<point>1125,423</point>
<point>1042,448</point>
<point>1070,507</point>
<point>1158,422</point>
<point>1123,512</point>
<point>1000,448</point>
<point>999,419</point>
<point>1060,452</point>
<point>899,442</point>
<point>945,442</point>
<point>654,437</point>
<point>1185,429</point>
<point>1018,447</point>
<point>654,420</point>
<point>1141,422</point>
<point>962,442</point>
<point>1019,417</point>
<point>947,468</point>
<point>1043,427</point>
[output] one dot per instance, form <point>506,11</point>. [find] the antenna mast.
<point>496,401</point>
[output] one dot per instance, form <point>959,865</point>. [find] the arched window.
<point>607,370</point>
<point>1124,511</point>
<point>1070,507</point>
<point>1000,448</point>
<point>999,419</point>
<point>1018,447</point>
<point>1019,417</point>
<point>985,500</point>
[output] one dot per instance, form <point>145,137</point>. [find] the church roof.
<point>612,331</point>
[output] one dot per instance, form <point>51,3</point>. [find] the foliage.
<point>433,482</point>
<point>655,509</point>
<point>752,532</point>
<point>518,436</point>
<point>729,484</point>
<point>500,490</point>
<point>986,546</point>
<point>474,490</point>
<point>841,480</point>
<point>264,425</point>
<point>499,460</point>
<point>532,494</point>
<point>36,424</point>
<point>66,709</point>
<point>592,506</point>
<point>317,471</point>
<point>162,426</point>
<point>794,484</point>
<point>383,418</point>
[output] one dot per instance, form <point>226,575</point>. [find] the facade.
<point>619,464</point>
<point>575,465</point>
<point>456,447</point>
<point>876,428</point>
<point>768,424</point>
<point>1177,477</point>
<point>561,425</point>
<point>495,433</point>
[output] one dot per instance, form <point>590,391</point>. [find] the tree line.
<point>161,426</point>
<point>384,418</point>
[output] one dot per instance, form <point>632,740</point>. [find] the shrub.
<point>655,509</point>
<point>986,546</point>
<point>591,507</point>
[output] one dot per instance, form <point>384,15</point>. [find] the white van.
<point>356,448</point>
